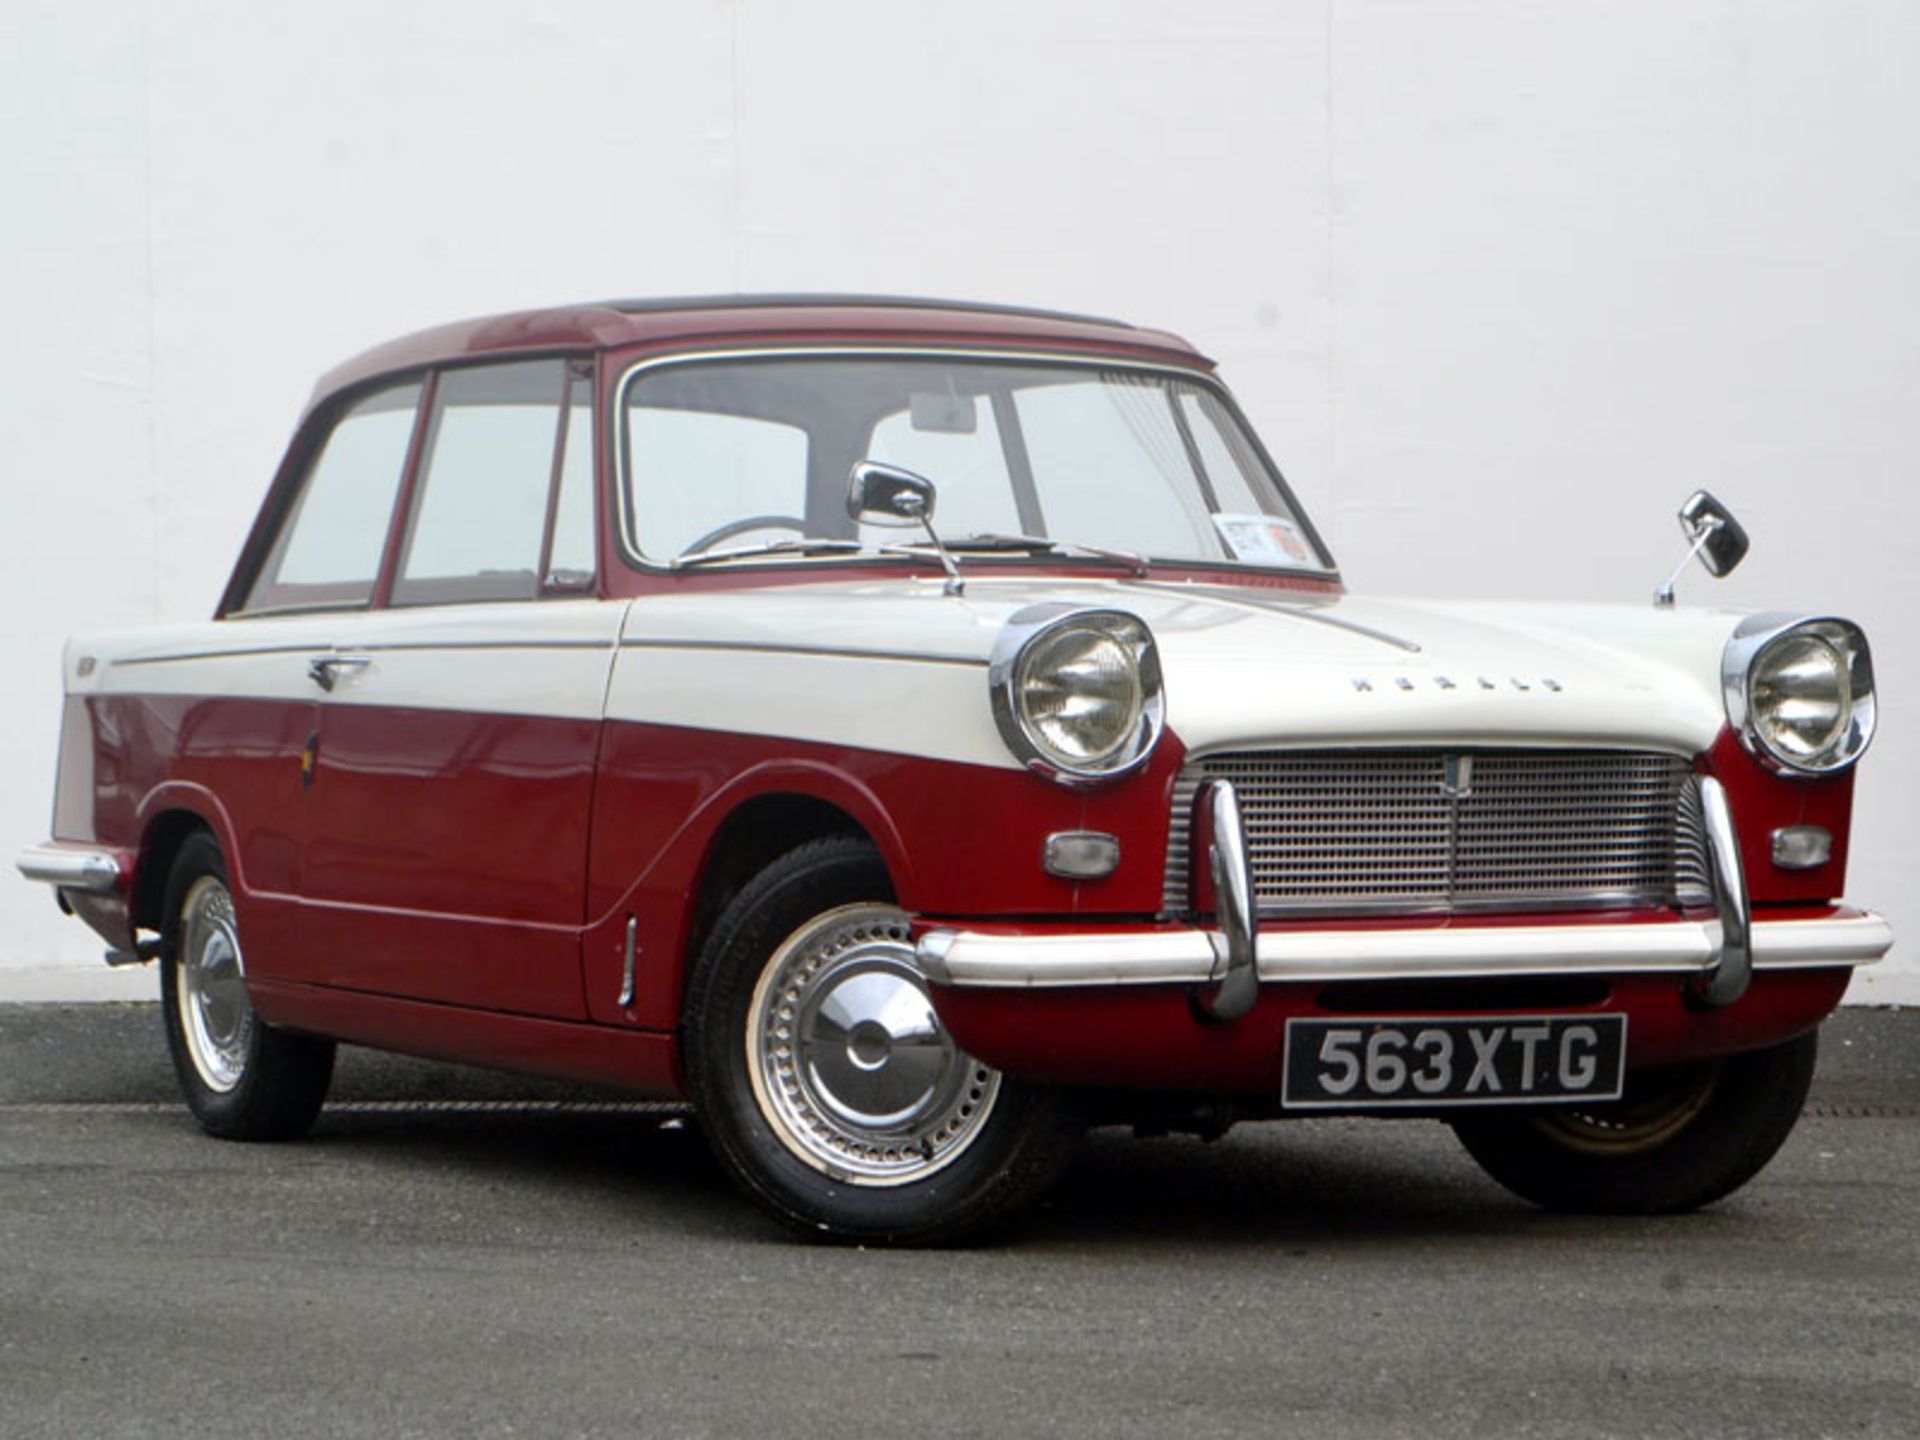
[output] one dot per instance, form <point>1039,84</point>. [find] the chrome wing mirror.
<point>1715,536</point>
<point>888,495</point>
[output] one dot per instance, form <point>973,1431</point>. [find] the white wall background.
<point>1499,280</point>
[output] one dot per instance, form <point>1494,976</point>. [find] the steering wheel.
<point>740,527</point>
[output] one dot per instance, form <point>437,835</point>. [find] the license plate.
<point>1366,1064</point>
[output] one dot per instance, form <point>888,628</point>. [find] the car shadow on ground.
<point>637,1166</point>
<point>1340,1183</point>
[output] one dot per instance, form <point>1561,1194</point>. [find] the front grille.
<point>1368,831</point>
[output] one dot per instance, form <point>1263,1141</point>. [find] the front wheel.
<point>1678,1139</point>
<point>243,1079</point>
<point>826,1083</point>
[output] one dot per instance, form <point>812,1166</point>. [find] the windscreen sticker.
<point>1264,540</point>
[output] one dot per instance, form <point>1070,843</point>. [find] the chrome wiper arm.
<point>994,540</point>
<point>770,547</point>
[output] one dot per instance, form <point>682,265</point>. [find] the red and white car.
<point>916,731</point>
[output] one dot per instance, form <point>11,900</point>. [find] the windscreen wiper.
<point>1040,545</point>
<point>806,546</point>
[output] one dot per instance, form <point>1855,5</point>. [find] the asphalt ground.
<point>456,1253</point>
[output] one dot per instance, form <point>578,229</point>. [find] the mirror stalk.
<point>1663,594</point>
<point>955,584</point>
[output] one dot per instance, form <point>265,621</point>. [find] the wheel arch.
<point>172,814</point>
<point>753,834</point>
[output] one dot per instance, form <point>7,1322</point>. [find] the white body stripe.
<point>897,666</point>
<point>262,660</point>
<point>903,707</point>
<point>547,658</point>
<point>544,658</point>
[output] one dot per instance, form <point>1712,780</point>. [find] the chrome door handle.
<point>324,670</point>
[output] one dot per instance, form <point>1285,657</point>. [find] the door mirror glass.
<point>1711,526</point>
<point>1712,534</point>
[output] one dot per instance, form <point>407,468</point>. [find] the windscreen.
<point>740,454</point>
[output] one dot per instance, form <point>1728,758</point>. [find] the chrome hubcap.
<point>850,1066</point>
<point>215,1015</point>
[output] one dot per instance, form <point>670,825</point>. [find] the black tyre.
<point>1678,1139</point>
<point>243,1079</point>
<point>826,1085</point>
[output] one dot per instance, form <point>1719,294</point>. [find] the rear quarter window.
<point>328,549</point>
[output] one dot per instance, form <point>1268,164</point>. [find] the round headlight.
<point>1801,698</point>
<point>1804,693</point>
<point>1077,693</point>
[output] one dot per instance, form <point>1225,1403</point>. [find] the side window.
<point>480,505</point>
<point>696,472</point>
<point>328,551</point>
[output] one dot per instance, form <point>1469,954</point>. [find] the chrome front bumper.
<point>1224,967</point>
<point>1174,957</point>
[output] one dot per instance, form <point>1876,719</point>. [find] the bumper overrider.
<point>1222,969</point>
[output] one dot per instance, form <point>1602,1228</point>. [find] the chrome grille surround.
<point>1417,831</point>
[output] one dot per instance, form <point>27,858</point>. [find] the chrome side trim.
<point>96,872</point>
<point>971,959</point>
<point>836,652</point>
<point>241,652</point>
<point>404,646</point>
<point>1733,965</point>
<point>253,651</point>
<point>1233,982</point>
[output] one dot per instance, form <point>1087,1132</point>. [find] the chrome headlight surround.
<point>1779,671</point>
<point>1047,658</point>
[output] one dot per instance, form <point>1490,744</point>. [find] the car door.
<point>452,782</point>
<point>251,736</point>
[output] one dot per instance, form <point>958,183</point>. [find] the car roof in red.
<point>707,321</point>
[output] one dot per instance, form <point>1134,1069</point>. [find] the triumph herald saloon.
<point>912,732</point>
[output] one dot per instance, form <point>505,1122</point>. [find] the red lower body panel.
<point>457,960</point>
<point>641,1061</point>
<point>1147,1035</point>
